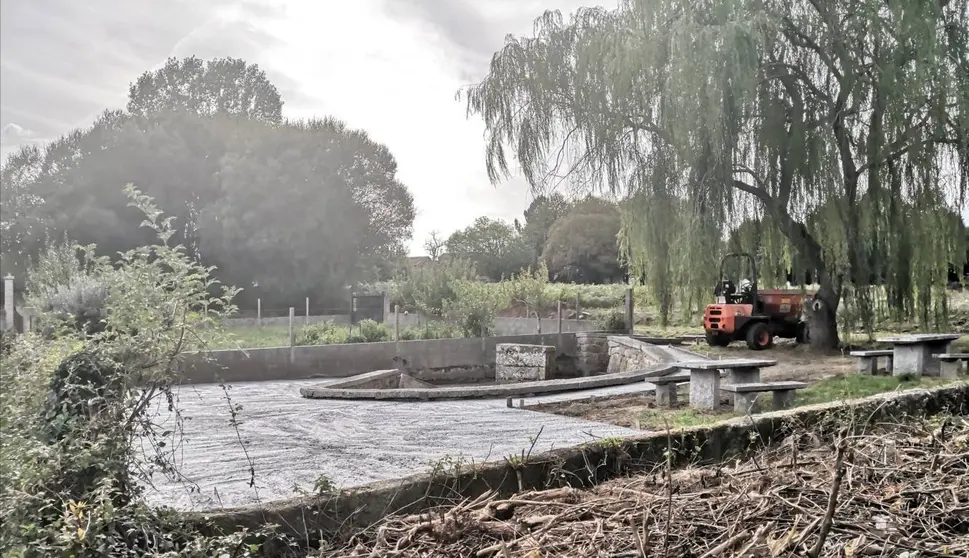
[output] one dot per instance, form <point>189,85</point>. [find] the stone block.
<point>524,363</point>
<point>867,366</point>
<point>950,368</point>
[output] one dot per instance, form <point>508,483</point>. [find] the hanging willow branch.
<point>841,127</point>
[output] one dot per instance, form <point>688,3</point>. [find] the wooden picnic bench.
<point>746,398</point>
<point>913,354</point>
<point>705,378</point>
<point>868,361</point>
<point>952,364</point>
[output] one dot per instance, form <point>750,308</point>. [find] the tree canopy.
<point>582,244</point>
<point>704,114</point>
<point>299,208</point>
<point>493,246</point>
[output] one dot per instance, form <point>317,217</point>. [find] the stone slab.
<point>378,379</point>
<point>723,364</point>
<point>409,382</point>
<point>705,388</point>
<point>919,338</point>
<point>869,354</point>
<point>763,387</point>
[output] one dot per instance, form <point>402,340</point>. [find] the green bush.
<point>616,322</point>
<point>372,332</point>
<point>326,333</point>
<point>78,409</point>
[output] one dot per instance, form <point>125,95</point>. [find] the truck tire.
<point>759,337</point>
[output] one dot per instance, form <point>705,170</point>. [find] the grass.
<point>254,337</point>
<point>837,388</point>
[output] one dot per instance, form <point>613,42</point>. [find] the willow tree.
<point>752,108</point>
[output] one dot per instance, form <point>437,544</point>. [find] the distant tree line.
<point>576,241</point>
<point>284,209</point>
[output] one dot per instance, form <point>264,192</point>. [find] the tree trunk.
<point>822,313</point>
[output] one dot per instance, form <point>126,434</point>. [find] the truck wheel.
<point>759,337</point>
<point>717,339</point>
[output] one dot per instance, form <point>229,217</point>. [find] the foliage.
<point>531,290</point>
<point>782,110</point>
<point>76,408</point>
<point>313,202</point>
<point>542,213</point>
<point>325,333</point>
<point>225,87</point>
<point>475,306</point>
<point>435,246</point>
<point>431,330</point>
<point>616,321</point>
<point>495,248</point>
<point>582,245</point>
<point>427,287</point>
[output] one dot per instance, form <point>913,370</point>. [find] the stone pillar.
<point>666,395</point>
<point>705,389</point>
<point>8,302</point>
<point>741,376</point>
<point>911,359</point>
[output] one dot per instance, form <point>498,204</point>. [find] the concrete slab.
<point>291,440</point>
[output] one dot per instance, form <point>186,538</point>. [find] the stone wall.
<point>524,363</point>
<point>591,354</point>
<point>626,353</point>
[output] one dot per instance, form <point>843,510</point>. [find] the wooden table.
<point>705,378</point>
<point>914,355</point>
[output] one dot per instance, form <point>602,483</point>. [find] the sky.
<point>390,67</point>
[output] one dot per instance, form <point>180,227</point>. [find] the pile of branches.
<point>903,491</point>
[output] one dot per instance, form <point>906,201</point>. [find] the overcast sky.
<point>391,67</point>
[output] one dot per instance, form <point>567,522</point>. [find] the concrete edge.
<point>489,391</point>
<point>335,515</point>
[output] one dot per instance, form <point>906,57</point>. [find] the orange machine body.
<point>783,305</point>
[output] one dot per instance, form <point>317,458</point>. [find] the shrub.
<point>326,333</point>
<point>616,321</point>
<point>372,332</point>
<point>84,406</point>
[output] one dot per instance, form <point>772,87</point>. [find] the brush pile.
<point>903,491</point>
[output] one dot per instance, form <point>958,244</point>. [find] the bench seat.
<point>746,395</point>
<point>953,364</point>
<point>868,360</point>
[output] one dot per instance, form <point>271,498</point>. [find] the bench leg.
<point>705,389</point>
<point>950,368</point>
<point>741,376</point>
<point>744,403</point>
<point>666,395</point>
<point>783,399</point>
<point>867,366</point>
<point>890,365</point>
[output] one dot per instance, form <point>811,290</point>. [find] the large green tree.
<point>300,208</point>
<point>542,212</point>
<point>582,244</point>
<point>493,246</point>
<point>765,108</point>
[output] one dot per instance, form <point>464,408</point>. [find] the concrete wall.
<point>340,361</point>
<point>342,319</point>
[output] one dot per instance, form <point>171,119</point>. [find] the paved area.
<point>290,441</point>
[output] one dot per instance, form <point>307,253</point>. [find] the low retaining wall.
<point>513,389</point>
<point>474,356</point>
<point>338,514</point>
<point>626,353</point>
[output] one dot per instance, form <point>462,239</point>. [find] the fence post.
<point>560,316</point>
<point>397,322</point>
<point>292,335</point>
<point>258,312</point>
<point>8,302</point>
<point>577,309</point>
<point>629,310</point>
<point>307,320</point>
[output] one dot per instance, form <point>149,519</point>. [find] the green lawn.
<point>837,388</point>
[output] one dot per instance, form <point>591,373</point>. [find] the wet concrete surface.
<point>289,441</point>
